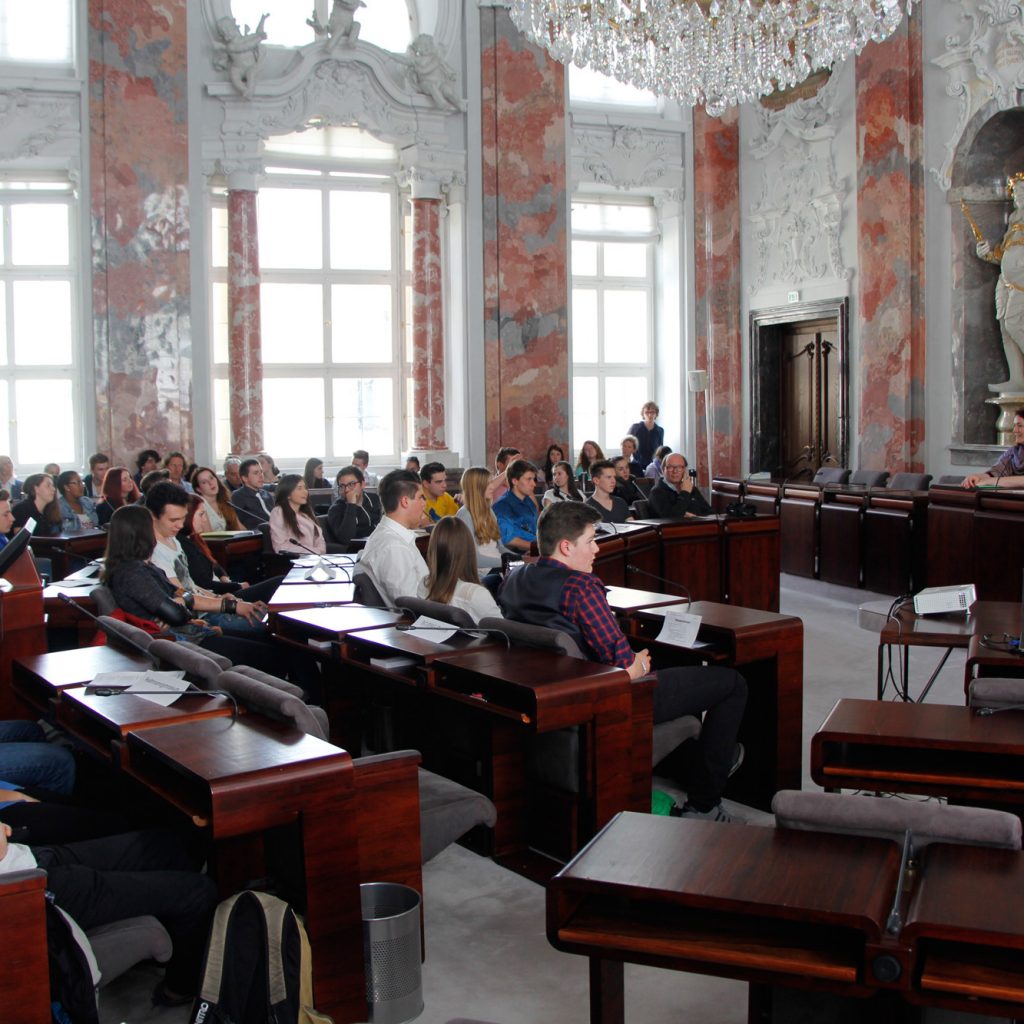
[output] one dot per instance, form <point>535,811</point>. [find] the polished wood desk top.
<point>82,542</point>
<point>626,599</point>
<point>38,678</point>
<point>389,641</point>
<point>336,621</point>
<point>994,662</point>
<point>290,596</point>
<point>954,629</point>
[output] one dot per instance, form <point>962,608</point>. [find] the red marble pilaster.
<point>427,328</point>
<point>890,238</point>
<point>244,349</point>
<point>138,139</point>
<point>716,243</point>
<point>525,260</point>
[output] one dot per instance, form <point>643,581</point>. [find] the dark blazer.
<point>250,512</point>
<point>665,502</point>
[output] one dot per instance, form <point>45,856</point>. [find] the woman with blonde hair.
<point>476,513</point>
<point>453,577</point>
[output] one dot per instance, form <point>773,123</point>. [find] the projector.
<point>934,600</point>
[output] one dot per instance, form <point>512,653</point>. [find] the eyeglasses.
<point>349,485</point>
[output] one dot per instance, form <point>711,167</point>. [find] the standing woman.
<point>589,454</point>
<point>648,433</point>
<point>453,577</point>
<point>77,510</point>
<point>313,474</point>
<point>564,489</point>
<point>477,514</point>
<point>293,527</point>
<point>40,504</point>
<point>118,489</point>
<point>219,510</point>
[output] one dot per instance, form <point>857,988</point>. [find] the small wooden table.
<point>934,749</point>
<point>307,594</point>
<point>624,600</point>
<point>38,678</point>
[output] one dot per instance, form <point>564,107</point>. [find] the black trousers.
<point>104,880</point>
<point>720,695</point>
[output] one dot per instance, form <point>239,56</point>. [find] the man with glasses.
<point>675,495</point>
<point>354,513</point>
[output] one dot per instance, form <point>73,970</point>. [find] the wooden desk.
<point>768,650</point>
<point>986,661</point>
<point>933,749</point>
<point>798,527</point>
<point>624,600</point>
<point>333,622</point>
<point>60,549</point>
<point>22,632</point>
<point>243,544</point>
<point>290,596</point>
<point>840,518</point>
<point>243,777</point>
<point>38,678</point>
<point>730,900</point>
<point>24,992</point>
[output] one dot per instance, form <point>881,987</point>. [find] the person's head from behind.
<point>361,458</point>
<point>435,479</point>
<point>168,504</point>
<point>504,456</point>
<point>401,496</point>
<point>566,532</point>
<point>602,473</point>
<point>451,556</point>
<point>130,538</point>
<point>621,465</point>
<point>147,459</point>
<point>154,477</point>
<point>522,478</point>
<point>251,473</point>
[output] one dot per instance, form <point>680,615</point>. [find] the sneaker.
<point>737,759</point>
<point>717,813</point>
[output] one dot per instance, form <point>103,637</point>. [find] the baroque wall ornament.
<point>34,122</point>
<point>627,157</point>
<point>797,219</point>
<point>984,65</point>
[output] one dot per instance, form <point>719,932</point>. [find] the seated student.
<point>391,557</point>
<point>100,881</point>
<point>478,515</point>
<point>589,454</point>
<point>118,489</point>
<point>516,512</point>
<point>564,485</point>
<point>52,469</point>
<point>413,464</point>
<point>439,502</point>
<point>252,501</point>
<point>293,527</point>
<point>355,513</point>
<point>630,446</point>
<point>361,460</point>
<point>270,471</point>
<point>653,470</point>
<point>554,455</point>
<point>453,578</point>
<point>152,478</point>
<point>145,462</point>
<point>40,504</point>
<point>77,512</point>
<point>499,482</point>
<point>561,592</point>
<point>217,498</point>
<point>174,463</point>
<point>232,474</point>
<point>675,496</point>
<point>313,473</point>
<point>6,517</point>
<point>99,463</point>
<point>612,508</point>
<point>8,481</point>
<point>626,487</point>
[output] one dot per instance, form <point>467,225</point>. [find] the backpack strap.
<point>274,911</point>
<point>214,969</point>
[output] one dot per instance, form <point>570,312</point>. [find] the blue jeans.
<point>28,760</point>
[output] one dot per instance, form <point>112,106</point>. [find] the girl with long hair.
<point>215,495</point>
<point>77,510</point>
<point>589,454</point>
<point>40,504</point>
<point>453,578</point>
<point>564,488</point>
<point>313,474</point>
<point>293,527</point>
<point>554,455</point>
<point>118,489</point>
<point>477,514</point>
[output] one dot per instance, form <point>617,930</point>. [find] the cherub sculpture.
<point>341,27</point>
<point>429,74</point>
<point>241,56</point>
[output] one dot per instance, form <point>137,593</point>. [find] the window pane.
<point>42,324</point>
<point>610,218</point>
<point>625,259</point>
<point>623,397</point>
<point>407,324</point>
<point>364,415</point>
<point>3,324</point>
<point>386,23</point>
<point>589,86</point>
<point>219,315</point>
<point>584,259</point>
<point>46,415</point>
<point>625,327</point>
<point>293,417</point>
<point>5,422</point>
<point>36,32</point>
<point>286,24</point>
<point>585,413</point>
<point>290,228</point>
<point>39,235</point>
<point>361,230</point>
<point>219,236</point>
<point>361,323</point>
<point>221,419</point>
<point>292,323</point>
<point>584,325</point>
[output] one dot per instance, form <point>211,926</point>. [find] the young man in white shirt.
<point>391,558</point>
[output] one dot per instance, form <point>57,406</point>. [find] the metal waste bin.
<point>392,952</point>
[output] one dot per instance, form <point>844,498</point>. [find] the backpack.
<point>72,981</point>
<point>258,967</point>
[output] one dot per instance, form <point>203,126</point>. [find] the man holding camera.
<point>675,495</point>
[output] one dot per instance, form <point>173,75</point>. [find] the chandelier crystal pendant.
<point>715,53</point>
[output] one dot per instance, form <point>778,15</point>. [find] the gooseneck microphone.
<point>662,579</point>
<point>191,690</point>
<point>324,565</point>
<point>477,633</point>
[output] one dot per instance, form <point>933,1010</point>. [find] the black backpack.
<point>72,994</point>
<point>258,967</point>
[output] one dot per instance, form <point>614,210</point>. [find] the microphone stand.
<point>328,568</point>
<point>661,579</point>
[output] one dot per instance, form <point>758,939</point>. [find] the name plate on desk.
<point>680,629</point>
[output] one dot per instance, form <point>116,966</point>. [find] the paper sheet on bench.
<point>434,630</point>
<point>174,683</point>
<point>680,629</point>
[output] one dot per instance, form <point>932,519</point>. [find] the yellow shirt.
<point>438,508</point>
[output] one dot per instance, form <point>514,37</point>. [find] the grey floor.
<point>487,956</point>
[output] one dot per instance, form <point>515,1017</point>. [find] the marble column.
<point>138,144</point>
<point>525,260</point>
<point>427,328</point>
<point>890,238</point>
<point>245,365</point>
<point>716,243</point>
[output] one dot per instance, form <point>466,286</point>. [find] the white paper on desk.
<point>434,630</point>
<point>680,629</point>
<point>173,683</point>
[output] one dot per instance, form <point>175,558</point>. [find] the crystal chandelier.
<point>710,52</point>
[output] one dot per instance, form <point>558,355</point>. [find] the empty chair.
<point>910,481</point>
<point>104,599</point>
<point>869,477</point>
<point>275,702</point>
<point>831,475</point>
<point>524,634</point>
<point>873,816</point>
<point>436,610</point>
<point>200,669</point>
<point>641,508</point>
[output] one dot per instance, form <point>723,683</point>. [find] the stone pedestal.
<point>1008,403</point>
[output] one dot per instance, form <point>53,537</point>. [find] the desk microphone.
<point>988,711</point>
<point>475,632</point>
<point>191,689</point>
<point>663,579</point>
<point>324,564</point>
<point>134,644</point>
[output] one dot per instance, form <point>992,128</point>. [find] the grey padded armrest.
<point>995,692</point>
